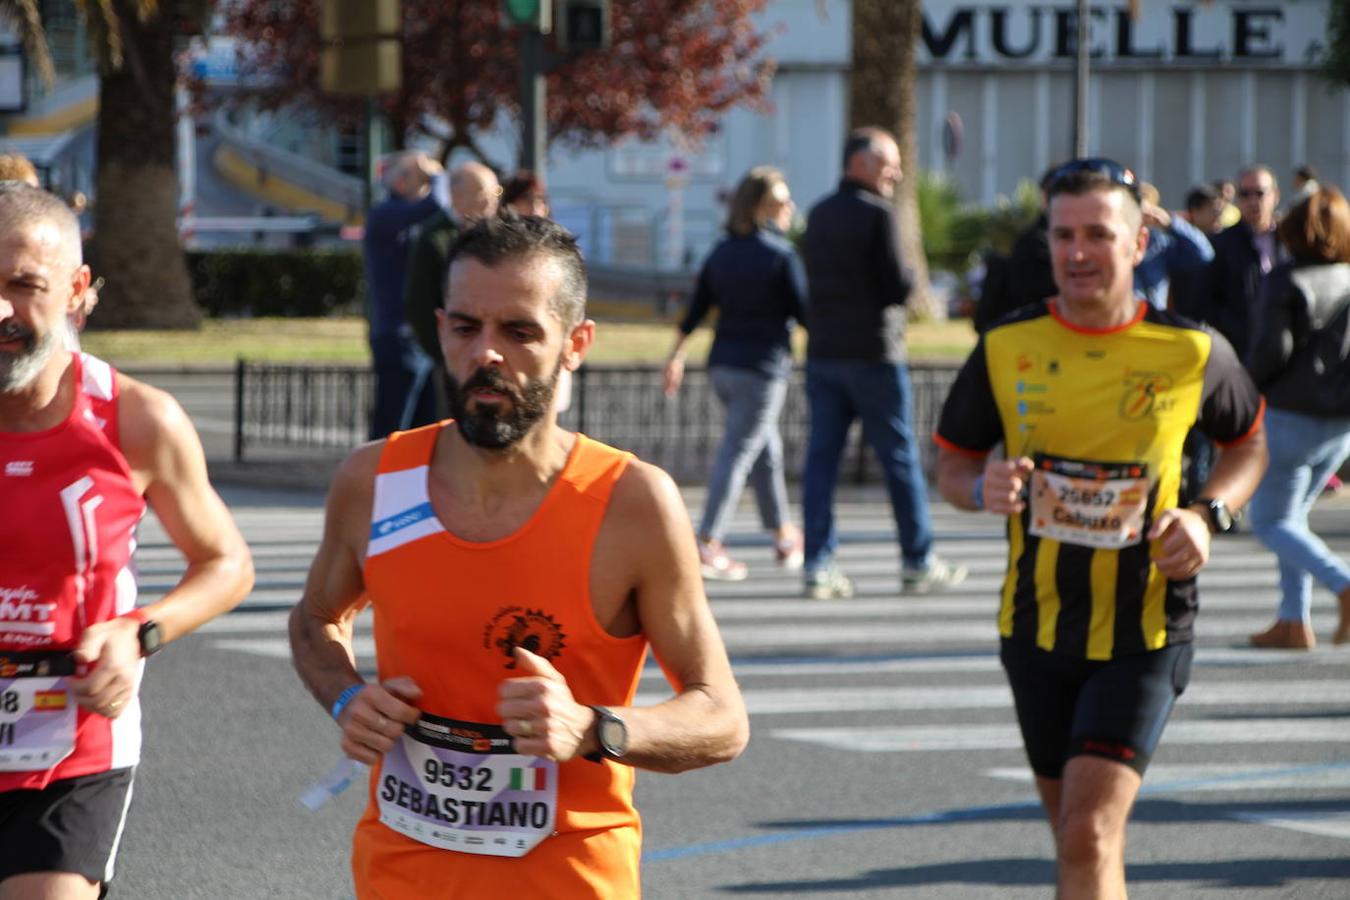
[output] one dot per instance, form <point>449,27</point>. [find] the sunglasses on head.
<point>1097,165</point>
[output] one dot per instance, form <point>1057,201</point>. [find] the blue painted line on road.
<point>808,834</point>
<point>962,814</point>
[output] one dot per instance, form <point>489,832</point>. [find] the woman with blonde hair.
<point>1301,361</point>
<point>758,285</point>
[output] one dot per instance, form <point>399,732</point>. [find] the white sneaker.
<point>828,584</point>
<point>939,575</point>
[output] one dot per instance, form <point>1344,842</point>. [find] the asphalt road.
<point>884,760</point>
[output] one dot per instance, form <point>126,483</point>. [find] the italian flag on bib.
<point>528,779</point>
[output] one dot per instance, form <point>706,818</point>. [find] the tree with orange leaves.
<point>671,64</point>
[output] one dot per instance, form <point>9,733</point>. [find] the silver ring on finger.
<point>524,727</point>
<point>380,723</point>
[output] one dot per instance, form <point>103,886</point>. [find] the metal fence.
<point>303,406</point>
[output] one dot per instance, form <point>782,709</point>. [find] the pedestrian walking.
<point>755,282</point>
<point>404,395</point>
<point>1301,361</point>
<point>855,367</point>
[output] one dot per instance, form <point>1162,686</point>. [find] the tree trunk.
<point>136,246</point>
<point>882,92</point>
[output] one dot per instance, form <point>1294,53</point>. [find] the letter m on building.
<point>962,23</point>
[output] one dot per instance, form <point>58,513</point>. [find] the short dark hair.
<point>1318,228</point>
<point>1048,176</point>
<point>1085,176</point>
<point>1306,172</point>
<point>1200,196</point>
<point>1258,169</point>
<point>860,139</point>
<point>525,183</point>
<point>494,240</point>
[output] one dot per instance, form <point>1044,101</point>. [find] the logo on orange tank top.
<point>516,626</point>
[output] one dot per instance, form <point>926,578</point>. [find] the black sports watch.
<point>611,733</point>
<point>149,635</point>
<point>1216,511</point>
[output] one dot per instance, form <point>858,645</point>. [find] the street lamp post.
<point>1082,75</point>
<point>535,18</point>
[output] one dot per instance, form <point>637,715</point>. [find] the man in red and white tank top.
<point>83,449</point>
<point>518,574</point>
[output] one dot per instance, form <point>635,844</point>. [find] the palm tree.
<point>882,92</point>
<point>136,246</point>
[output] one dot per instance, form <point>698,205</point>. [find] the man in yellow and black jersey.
<point>1092,394</point>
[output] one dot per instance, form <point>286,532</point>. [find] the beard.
<point>487,426</point>
<point>17,370</point>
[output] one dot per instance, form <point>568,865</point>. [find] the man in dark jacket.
<point>856,366</point>
<point>1024,276</point>
<point>402,395</point>
<point>1243,255</point>
<point>1226,293</point>
<point>474,192</point>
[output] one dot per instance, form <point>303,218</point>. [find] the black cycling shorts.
<point>1116,709</point>
<point>71,825</point>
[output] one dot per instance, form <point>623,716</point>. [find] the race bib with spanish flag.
<point>1091,504</point>
<point>37,712</point>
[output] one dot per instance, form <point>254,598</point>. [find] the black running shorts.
<point>72,825</point>
<point>1116,709</point>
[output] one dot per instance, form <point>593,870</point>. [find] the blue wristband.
<point>977,497</point>
<point>346,697</point>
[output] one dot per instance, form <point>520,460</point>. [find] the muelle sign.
<point>1290,33</point>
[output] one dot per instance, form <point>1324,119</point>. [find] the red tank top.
<point>448,613</point>
<point>68,514</point>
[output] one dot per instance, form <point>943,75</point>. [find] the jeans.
<point>1304,450</point>
<point>751,448</point>
<point>839,391</point>
<point>405,396</point>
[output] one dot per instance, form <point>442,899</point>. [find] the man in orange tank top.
<point>83,450</point>
<point>518,573</point>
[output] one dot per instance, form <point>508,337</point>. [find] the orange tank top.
<point>447,613</point>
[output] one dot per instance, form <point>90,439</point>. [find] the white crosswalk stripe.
<point>886,673</point>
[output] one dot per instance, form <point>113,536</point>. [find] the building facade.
<point>1186,93</point>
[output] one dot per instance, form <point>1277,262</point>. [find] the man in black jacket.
<point>1025,276</point>
<point>1243,255</point>
<point>1226,294</point>
<point>856,368</point>
<point>474,192</point>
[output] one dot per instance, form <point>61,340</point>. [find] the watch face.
<point>613,735</point>
<point>1223,519</point>
<point>149,636</point>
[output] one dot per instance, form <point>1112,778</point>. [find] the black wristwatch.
<point>1216,511</point>
<point>150,636</point>
<point>611,733</point>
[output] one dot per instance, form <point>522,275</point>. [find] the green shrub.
<point>955,234</point>
<point>940,213</point>
<point>288,283</point>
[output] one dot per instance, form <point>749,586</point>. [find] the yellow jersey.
<point>1103,414</point>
